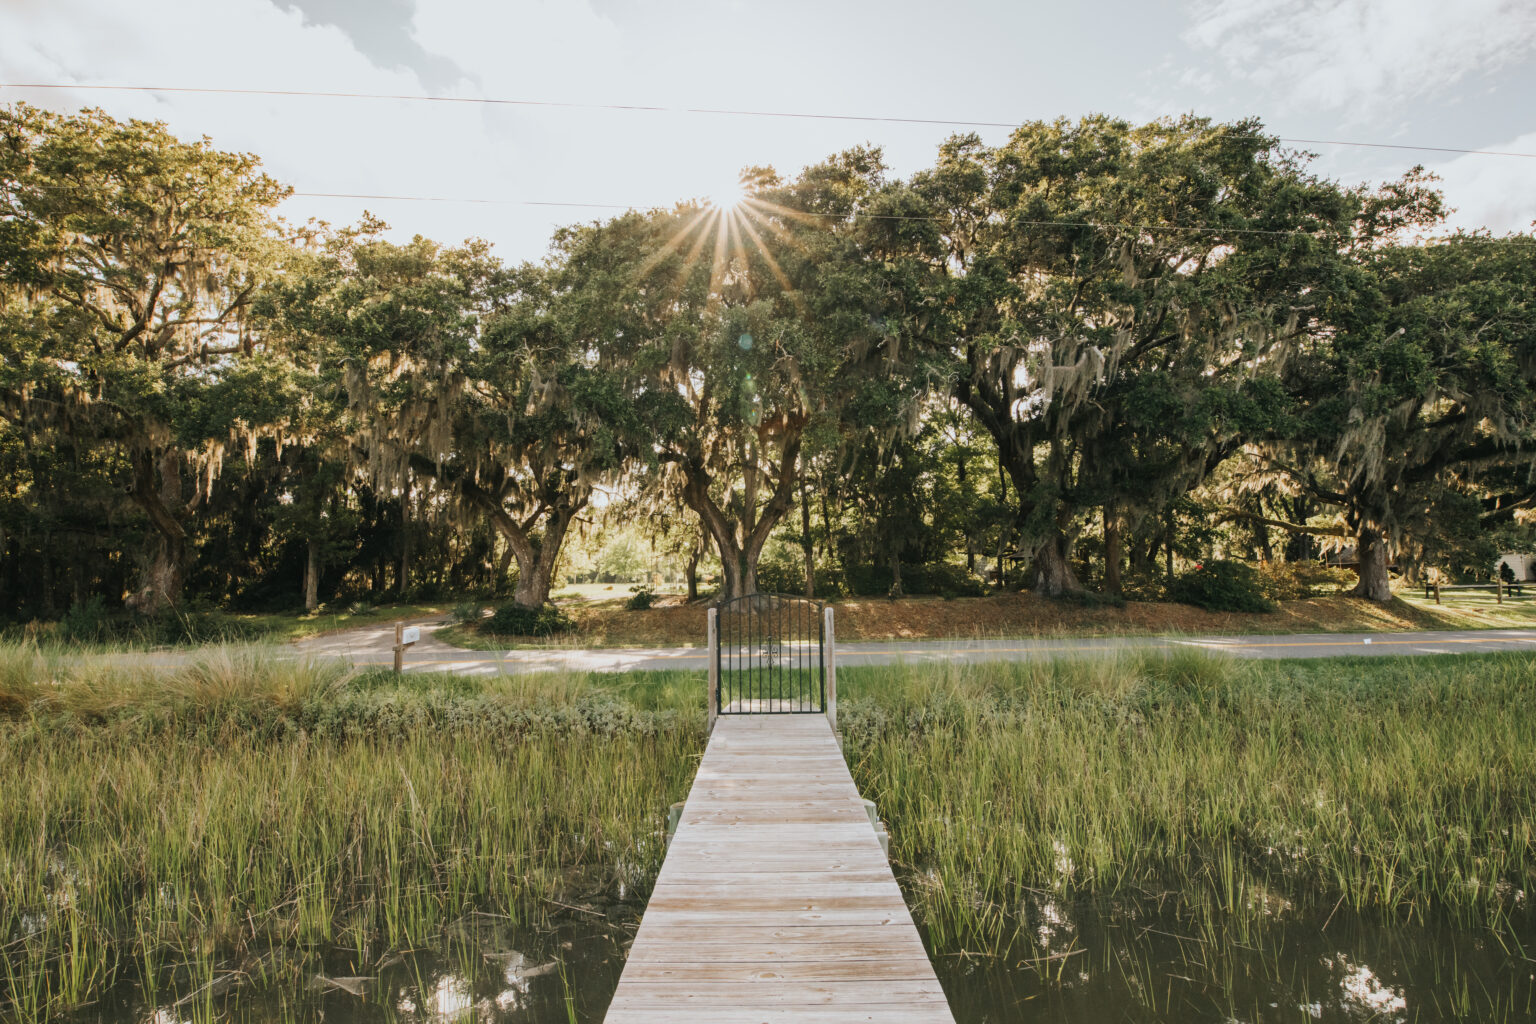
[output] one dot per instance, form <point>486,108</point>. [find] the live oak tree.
<point>1015,346</point>
<point>132,259</point>
<point>470,377</point>
<point>747,330</point>
<point>1085,280</point>
<point>1421,391</point>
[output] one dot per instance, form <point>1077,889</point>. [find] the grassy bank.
<point>218,829</point>
<point>1399,789</point>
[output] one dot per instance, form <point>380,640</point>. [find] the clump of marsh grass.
<point>23,668</point>
<point>1399,788</point>
<point>173,827</point>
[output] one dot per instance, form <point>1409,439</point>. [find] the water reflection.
<point>1153,961</point>
<point>483,970</point>
<point>1138,960</point>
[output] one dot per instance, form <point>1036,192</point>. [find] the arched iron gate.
<point>771,656</point>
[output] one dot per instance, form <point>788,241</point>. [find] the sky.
<point>1403,72</point>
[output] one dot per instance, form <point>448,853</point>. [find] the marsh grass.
<point>185,828</point>
<point>182,826</point>
<point>1403,789</point>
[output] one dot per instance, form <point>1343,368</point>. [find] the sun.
<point>729,194</point>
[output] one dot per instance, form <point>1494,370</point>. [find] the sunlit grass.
<point>1398,788</point>
<point>172,828</point>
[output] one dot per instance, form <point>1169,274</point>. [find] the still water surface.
<point>1125,960</point>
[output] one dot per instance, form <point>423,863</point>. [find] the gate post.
<point>714,667</point>
<point>830,653</point>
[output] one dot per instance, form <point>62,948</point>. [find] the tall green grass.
<point>1397,787</point>
<point>173,828</point>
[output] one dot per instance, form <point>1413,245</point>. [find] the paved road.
<point>371,646</point>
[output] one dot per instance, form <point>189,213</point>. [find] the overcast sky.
<point>1419,72</point>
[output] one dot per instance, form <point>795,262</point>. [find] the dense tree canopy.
<point>1101,350</point>
<point>132,259</point>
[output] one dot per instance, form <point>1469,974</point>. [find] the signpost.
<point>405,636</point>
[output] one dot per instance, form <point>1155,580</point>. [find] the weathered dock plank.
<point>775,903</point>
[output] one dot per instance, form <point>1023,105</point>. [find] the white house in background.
<point>1523,566</point>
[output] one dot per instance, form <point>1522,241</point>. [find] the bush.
<point>92,622</point>
<point>1222,586</point>
<point>1140,586</point>
<point>642,600</point>
<point>1291,581</point>
<point>943,579</point>
<point>515,620</point>
<point>939,578</point>
<point>469,611</point>
<point>87,622</point>
<point>784,573</point>
<point>781,573</point>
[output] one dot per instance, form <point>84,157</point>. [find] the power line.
<point>463,199</point>
<point>855,215</point>
<point>715,111</point>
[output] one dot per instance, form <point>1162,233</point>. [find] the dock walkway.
<point>775,902</point>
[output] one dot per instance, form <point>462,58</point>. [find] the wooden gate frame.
<point>829,656</point>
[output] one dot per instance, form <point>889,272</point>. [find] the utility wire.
<point>717,111</point>
<point>748,203</point>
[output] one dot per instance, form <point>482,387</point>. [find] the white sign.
<point>410,634</point>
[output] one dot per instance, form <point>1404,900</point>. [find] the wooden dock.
<point>775,902</point>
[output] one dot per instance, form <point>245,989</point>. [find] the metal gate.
<point>771,656</point>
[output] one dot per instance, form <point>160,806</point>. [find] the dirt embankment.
<point>610,624</point>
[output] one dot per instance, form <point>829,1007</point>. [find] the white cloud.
<point>1493,192</point>
<point>533,49</point>
<point>1368,55</point>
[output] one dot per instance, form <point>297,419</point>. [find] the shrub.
<point>939,578</point>
<point>781,574</point>
<point>515,620</point>
<point>469,611</point>
<point>943,579</point>
<point>642,600</point>
<point>1222,586</point>
<point>87,622</point>
<point>1144,586</point>
<point>1290,581</point>
<point>91,622</point>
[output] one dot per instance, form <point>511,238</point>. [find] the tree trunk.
<point>1112,553</point>
<point>738,558</point>
<point>503,567</point>
<point>693,574</point>
<point>1052,570</point>
<point>405,538</point>
<point>312,576</point>
<point>158,494</point>
<point>896,590</point>
<point>1372,559</point>
<point>805,543</point>
<point>731,575</point>
<point>534,576</point>
<point>1168,537</point>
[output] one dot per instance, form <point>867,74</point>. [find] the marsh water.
<point>1144,960</point>
<point>1151,960</point>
